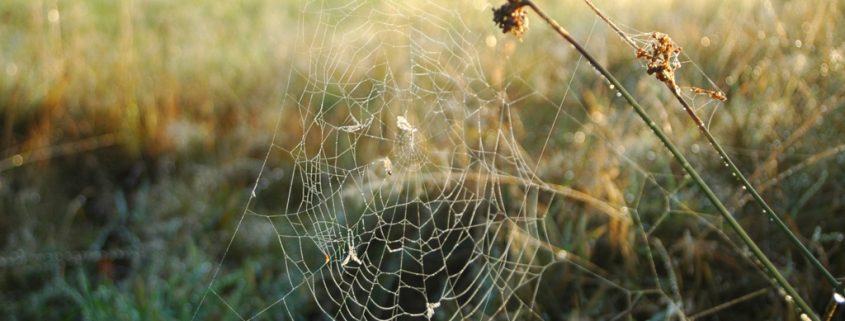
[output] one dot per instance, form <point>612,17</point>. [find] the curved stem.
<point>779,279</point>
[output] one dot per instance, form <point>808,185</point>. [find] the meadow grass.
<point>511,18</point>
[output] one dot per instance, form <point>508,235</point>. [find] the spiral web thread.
<point>407,181</point>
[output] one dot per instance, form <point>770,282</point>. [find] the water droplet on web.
<point>618,94</point>
<point>764,212</point>
<point>612,86</point>
<point>744,188</point>
<point>788,298</point>
<point>805,317</point>
<point>561,255</point>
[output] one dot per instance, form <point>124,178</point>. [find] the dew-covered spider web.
<point>427,167</point>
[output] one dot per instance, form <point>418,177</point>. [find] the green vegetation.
<point>131,134</point>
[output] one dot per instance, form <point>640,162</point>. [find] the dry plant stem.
<point>779,279</point>
<point>831,310</point>
<point>728,304</point>
<point>754,194</point>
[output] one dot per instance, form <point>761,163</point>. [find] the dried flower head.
<point>661,58</point>
<point>511,17</point>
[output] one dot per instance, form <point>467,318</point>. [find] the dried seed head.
<point>661,58</point>
<point>511,17</point>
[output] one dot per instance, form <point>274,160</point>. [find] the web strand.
<point>411,186</point>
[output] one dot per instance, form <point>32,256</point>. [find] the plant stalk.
<point>837,286</point>
<point>754,194</point>
<point>779,279</point>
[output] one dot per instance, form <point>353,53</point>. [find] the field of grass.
<point>132,134</point>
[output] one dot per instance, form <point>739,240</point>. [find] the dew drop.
<point>17,160</point>
<point>618,94</point>
<point>788,298</point>
<point>838,298</point>
<point>805,317</point>
<point>612,87</point>
<point>562,255</point>
<point>744,188</point>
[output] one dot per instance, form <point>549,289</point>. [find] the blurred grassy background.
<point>132,132</point>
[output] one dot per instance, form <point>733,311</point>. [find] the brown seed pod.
<point>511,17</point>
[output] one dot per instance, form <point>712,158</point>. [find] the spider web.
<point>707,98</point>
<point>417,172</point>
